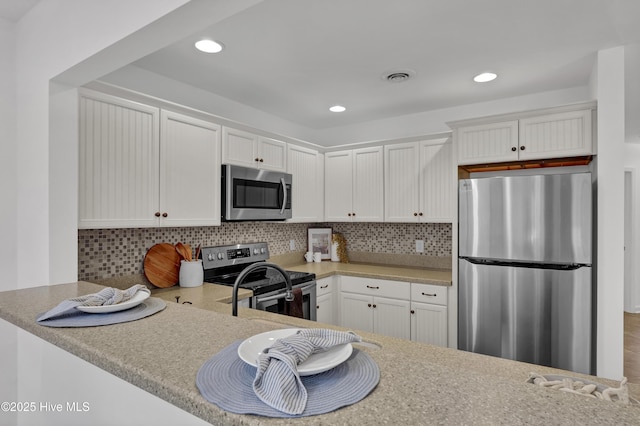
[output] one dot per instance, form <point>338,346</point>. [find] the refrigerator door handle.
<point>534,265</point>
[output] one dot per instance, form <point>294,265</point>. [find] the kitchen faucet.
<point>288,296</point>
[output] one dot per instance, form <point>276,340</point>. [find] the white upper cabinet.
<point>557,135</point>
<point>189,171</point>
<point>419,181</point>
<point>488,143</point>
<point>119,160</point>
<point>562,132</point>
<point>141,168</point>
<point>250,150</point>
<point>354,185</point>
<point>307,169</point>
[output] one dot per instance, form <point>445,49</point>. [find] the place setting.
<point>289,373</point>
<point>108,306</point>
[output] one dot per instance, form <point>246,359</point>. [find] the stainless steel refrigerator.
<point>525,276</point>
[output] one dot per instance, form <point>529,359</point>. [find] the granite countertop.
<point>368,270</point>
<point>419,383</point>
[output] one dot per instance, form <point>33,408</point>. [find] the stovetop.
<point>223,264</point>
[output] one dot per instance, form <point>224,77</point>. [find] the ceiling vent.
<point>398,76</point>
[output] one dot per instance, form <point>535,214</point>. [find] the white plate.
<point>137,299</point>
<point>252,348</point>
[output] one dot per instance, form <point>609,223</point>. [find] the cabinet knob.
<point>256,159</point>
<point>513,148</point>
<point>164,215</point>
<point>369,304</point>
<point>317,307</point>
<point>353,214</point>
<point>522,148</point>
<point>420,214</point>
<point>157,214</point>
<point>349,214</point>
<point>374,305</point>
<point>415,214</point>
<point>413,312</point>
<point>262,160</point>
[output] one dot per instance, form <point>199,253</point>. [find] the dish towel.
<point>294,308</point>
<point>277,382</point>
<point>107,296</point>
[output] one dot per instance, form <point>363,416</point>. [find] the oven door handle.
<point>280,295</point>
<point>284,199</point>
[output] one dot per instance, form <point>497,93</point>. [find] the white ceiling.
<point>295,58</point>
<point>13,10</point>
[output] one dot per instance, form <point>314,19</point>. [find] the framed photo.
<point>319,240</point>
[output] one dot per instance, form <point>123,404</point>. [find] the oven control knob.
<point>220,256</point>
<point>262,250</point>
<point>255,251</point>
<point>210,257</point>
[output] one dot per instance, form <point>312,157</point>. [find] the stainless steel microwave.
<point>253,194</point>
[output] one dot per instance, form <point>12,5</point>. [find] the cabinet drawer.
<point>427,293</point>
<point>374,287</point>
<point>324,286</point>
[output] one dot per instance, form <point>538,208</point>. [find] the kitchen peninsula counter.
<point>419,383</point>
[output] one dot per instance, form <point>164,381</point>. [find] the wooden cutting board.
<point>162,265</point>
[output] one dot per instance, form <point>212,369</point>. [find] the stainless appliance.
<point>524,268</point>
<point>223,264</point>
<point>253,194</point>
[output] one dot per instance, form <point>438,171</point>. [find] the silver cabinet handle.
<point>284,190</point>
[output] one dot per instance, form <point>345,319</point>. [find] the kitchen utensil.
<point>162,265</point>
<point>184,251</point>
<point>198,252</point>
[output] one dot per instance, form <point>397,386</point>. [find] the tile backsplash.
<point>108,253</point>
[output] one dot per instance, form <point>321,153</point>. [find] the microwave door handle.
<point>284,200</point>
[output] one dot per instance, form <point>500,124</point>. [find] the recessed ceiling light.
<point>485,77</point>
<point>209,46</point>
<point>337,108</point>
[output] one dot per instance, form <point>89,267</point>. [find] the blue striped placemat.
<point>226,381</point>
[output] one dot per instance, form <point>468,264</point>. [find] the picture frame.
<point>319,240</point>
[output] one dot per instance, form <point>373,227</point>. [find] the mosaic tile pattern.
<point>107,253</point>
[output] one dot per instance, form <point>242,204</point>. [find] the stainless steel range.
<point>223,264</point>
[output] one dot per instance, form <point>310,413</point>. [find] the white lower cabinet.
<point>326,306</point>
<point>395,308</point>
<point>429,314</point>
<point>377,306</point>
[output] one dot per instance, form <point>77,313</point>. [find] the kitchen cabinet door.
<point>401,182</point>
<point>354,185</point>
<point>307,168</point>
<point>437,183</point>
<point>189,169</point>
<point>429,323</point>
<point>250,150</point>
<point>391,317</point>
<point>239,147</point>
<point>272,154</point>
<point>119,151</point>
<point>556,135</point>
<point>368,185</point>
<point>356,312</point>
<point>338,179</point>
<point>488,143</point>
<point>326,301</point>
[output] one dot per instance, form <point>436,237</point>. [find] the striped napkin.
<point>106,296</point>
<point>277,382</point>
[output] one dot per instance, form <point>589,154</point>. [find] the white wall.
<point>73,42</point>
<point>610,210</point>
<point>632,163</point>
<point>8,149</point>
